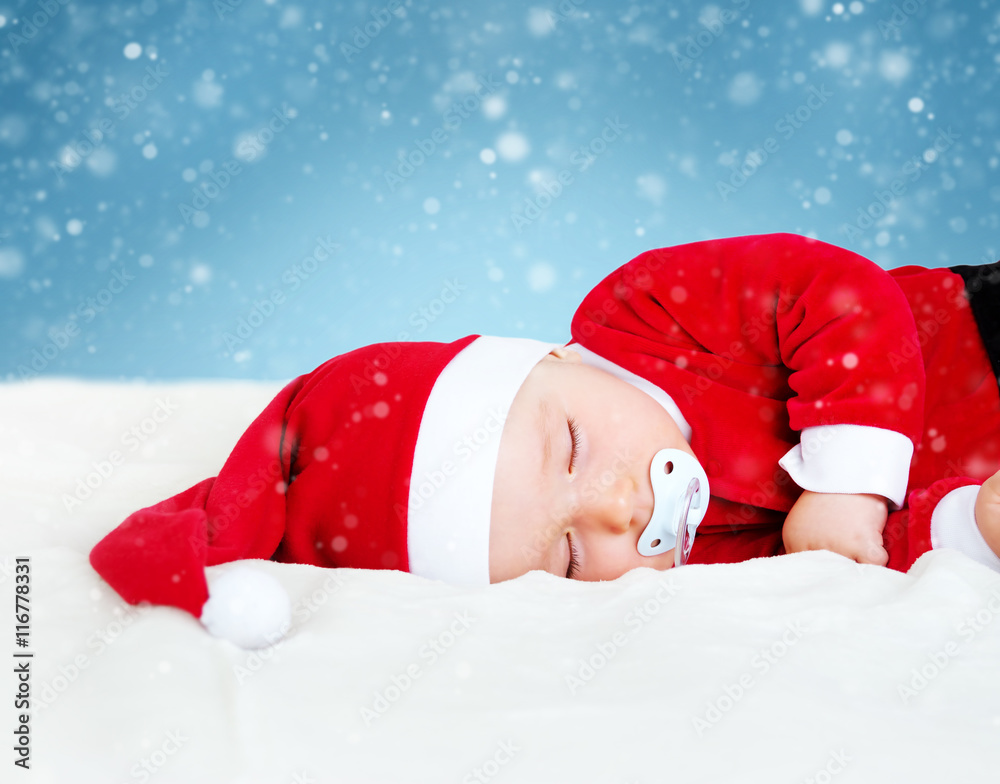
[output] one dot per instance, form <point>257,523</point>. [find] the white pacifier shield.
<point>668,500</point>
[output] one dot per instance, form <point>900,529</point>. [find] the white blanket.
<point>801,668</point>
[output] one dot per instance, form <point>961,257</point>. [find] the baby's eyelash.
<point>574,564</point>
<point>574,432</point>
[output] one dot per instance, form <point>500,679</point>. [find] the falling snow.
<point>204,151</point>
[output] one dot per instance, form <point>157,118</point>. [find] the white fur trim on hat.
<point>455,458</point>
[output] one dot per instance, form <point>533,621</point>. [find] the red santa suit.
<point>793,364</point>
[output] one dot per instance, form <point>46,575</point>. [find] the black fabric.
<point>982,284</point>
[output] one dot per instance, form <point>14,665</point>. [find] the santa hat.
<point>381,458</point>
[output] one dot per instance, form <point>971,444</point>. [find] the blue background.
<point>441,251</point>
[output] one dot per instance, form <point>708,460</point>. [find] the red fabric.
<point>158,554</point>
<point>758,337</point>
<point>317,478</point>
<point>909,530</point>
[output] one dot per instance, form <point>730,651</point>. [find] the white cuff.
<point>953,525</point>
<point>851,459</point>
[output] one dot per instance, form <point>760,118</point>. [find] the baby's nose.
<point>612,504</point>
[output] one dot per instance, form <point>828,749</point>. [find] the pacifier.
<point>680,500</point>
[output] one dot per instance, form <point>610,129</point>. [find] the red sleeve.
<point>830,316</point>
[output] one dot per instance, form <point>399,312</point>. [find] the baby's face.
<point>597,495</point>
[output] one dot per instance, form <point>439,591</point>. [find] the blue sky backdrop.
<point>245,189</point>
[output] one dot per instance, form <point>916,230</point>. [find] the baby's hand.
<point>849,524</point>
<point>988,512</point>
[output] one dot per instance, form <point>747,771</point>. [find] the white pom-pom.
<point>247,607</point>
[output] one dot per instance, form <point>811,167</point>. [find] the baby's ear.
<point>565,354</point>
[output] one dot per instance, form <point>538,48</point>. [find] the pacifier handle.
<point>685,535</point>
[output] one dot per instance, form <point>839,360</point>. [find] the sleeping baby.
<point>719,401</point>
